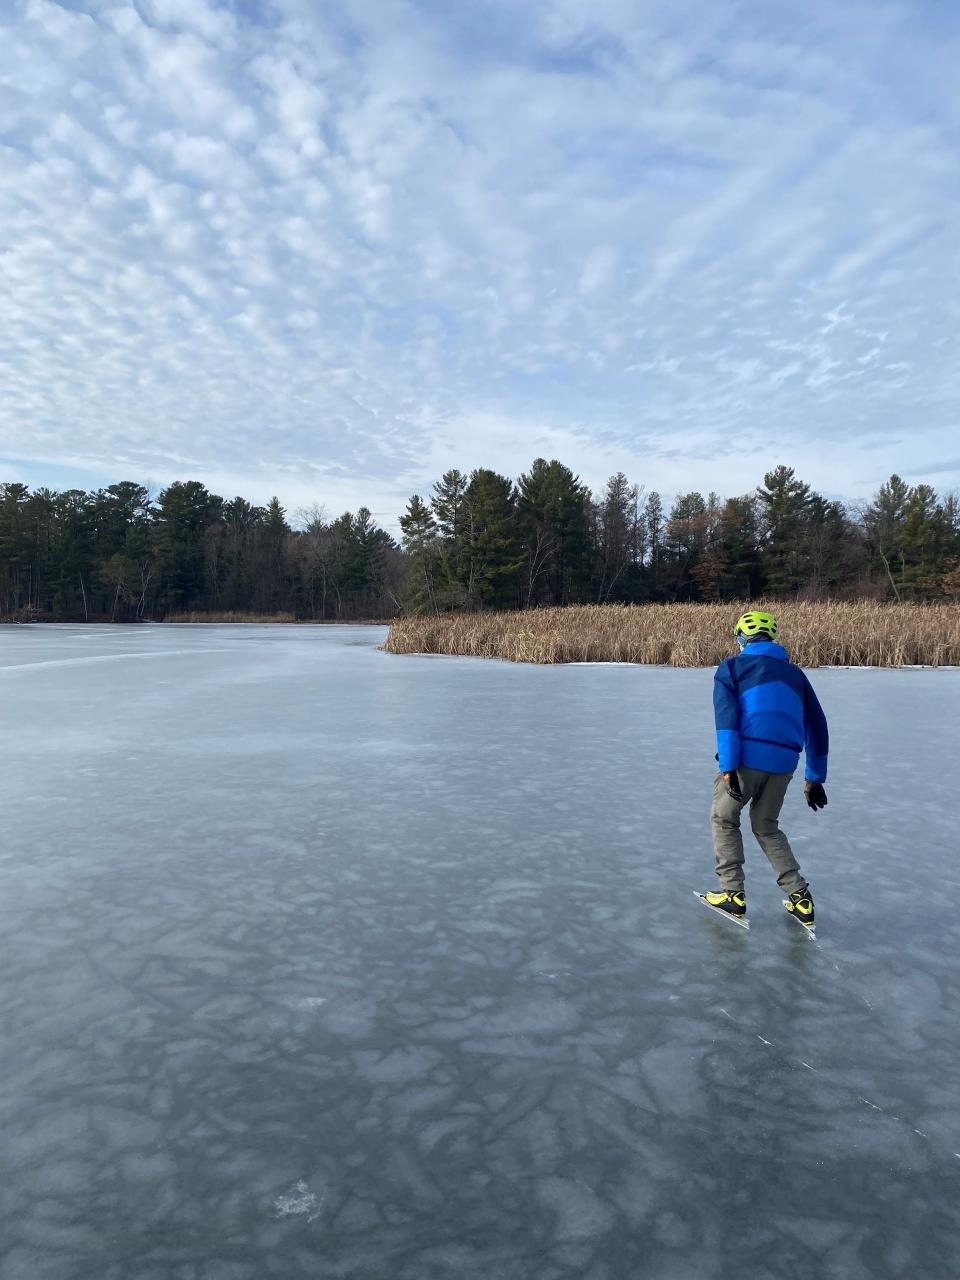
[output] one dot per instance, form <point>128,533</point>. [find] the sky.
<point>331,250</point>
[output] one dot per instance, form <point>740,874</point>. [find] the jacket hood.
<point>767,649</point>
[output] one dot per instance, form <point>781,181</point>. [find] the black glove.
<point>815,795</point>
<point>733,785</point>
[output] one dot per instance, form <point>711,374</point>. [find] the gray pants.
<point>764,792</point>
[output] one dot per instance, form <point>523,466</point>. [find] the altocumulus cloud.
<point>329,250</point>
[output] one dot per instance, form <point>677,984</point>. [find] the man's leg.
<point>727,840</point>
<point>768,797</point>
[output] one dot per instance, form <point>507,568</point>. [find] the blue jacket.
<point>766,713</point>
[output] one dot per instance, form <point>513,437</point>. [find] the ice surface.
<point>319,962</point>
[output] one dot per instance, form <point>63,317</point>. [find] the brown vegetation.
<point>691,635</point>
<point>229,617</point>
<point>210,616</point>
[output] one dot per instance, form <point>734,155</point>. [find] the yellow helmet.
<point>756,623</point>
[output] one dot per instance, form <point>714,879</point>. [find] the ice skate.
<point>800,906</point>
<point>733,905</point>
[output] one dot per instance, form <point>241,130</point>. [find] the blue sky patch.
<point>331,250</point>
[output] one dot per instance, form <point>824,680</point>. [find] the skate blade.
<point>742,921</point>
<point>809,929</point>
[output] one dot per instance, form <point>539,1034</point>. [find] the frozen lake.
<point>319,962</point>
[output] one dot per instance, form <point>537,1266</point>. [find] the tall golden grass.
<point>862,633</point>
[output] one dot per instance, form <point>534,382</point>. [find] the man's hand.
<point>733,785</point>
<point>815,795</point>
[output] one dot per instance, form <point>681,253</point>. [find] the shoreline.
<point>199,622</point>
<point>663,666</point>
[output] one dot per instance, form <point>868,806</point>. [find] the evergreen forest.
<point>476,541</point>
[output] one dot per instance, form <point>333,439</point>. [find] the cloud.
<point>337,249</point>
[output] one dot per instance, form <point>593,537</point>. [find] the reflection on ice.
<point>323,962</point>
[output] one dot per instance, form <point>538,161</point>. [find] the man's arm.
<point>817,739</point>
<point>726,714</point>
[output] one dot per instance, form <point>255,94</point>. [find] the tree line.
<point>482,541</point>
<point>120,554</point>
<point>476,541</point>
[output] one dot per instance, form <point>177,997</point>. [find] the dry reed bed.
<point>863,633</point>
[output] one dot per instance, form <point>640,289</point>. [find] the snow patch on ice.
<point>298,1202</point>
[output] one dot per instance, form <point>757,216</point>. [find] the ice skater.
<point>766,712</point>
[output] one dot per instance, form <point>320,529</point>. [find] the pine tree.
<point>923,538</point>
<point>620,538</point>
<point>421,543</point>
<point>182,513</point>
<point>653,519</point>
<point>495,546</point>
<point>232,554</point>
<point>115,511</point>
<point>342,573</point>
<point>883,524</point>
<point>826,534</point>
<point>15,548</point>
<point>40,513</point>
<point>686,539</point>
<point>951,523</point>
<point>449,506</point>
<point>372,544</point>
<point>76,558</point>
<point>553,504</point>
<point>950,582</point>
<point>273,586</point>
<point>739,537</point>
<point>784,502</point>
